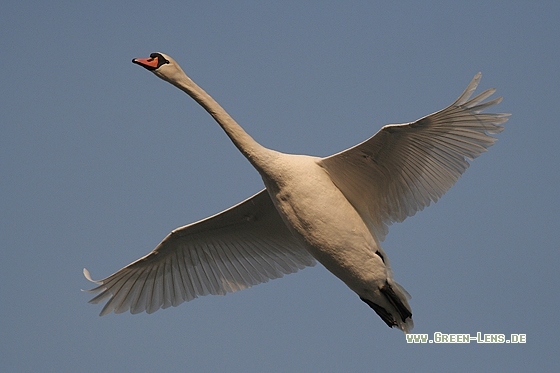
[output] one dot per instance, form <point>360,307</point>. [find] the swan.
<point>335,210</point>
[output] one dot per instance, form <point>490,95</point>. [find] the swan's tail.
<point>399,313</point>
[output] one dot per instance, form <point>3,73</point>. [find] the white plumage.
<point>335,210</point>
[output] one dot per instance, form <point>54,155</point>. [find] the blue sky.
<point>100,160</point>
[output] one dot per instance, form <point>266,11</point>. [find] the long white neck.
<point>257,154</point>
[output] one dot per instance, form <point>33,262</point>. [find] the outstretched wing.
<point>404,167</point>
<point>233,250</point>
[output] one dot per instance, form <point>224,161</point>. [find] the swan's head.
<point>162,65</point>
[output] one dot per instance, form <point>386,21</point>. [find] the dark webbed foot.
<point>382,312</point>
<point>395,301</point>
<point>389,293</point>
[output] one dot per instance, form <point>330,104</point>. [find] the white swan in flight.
<point>335,210</point>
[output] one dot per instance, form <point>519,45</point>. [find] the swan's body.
<point>335,210</point>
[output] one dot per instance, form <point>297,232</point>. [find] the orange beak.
<point>148,63</point>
